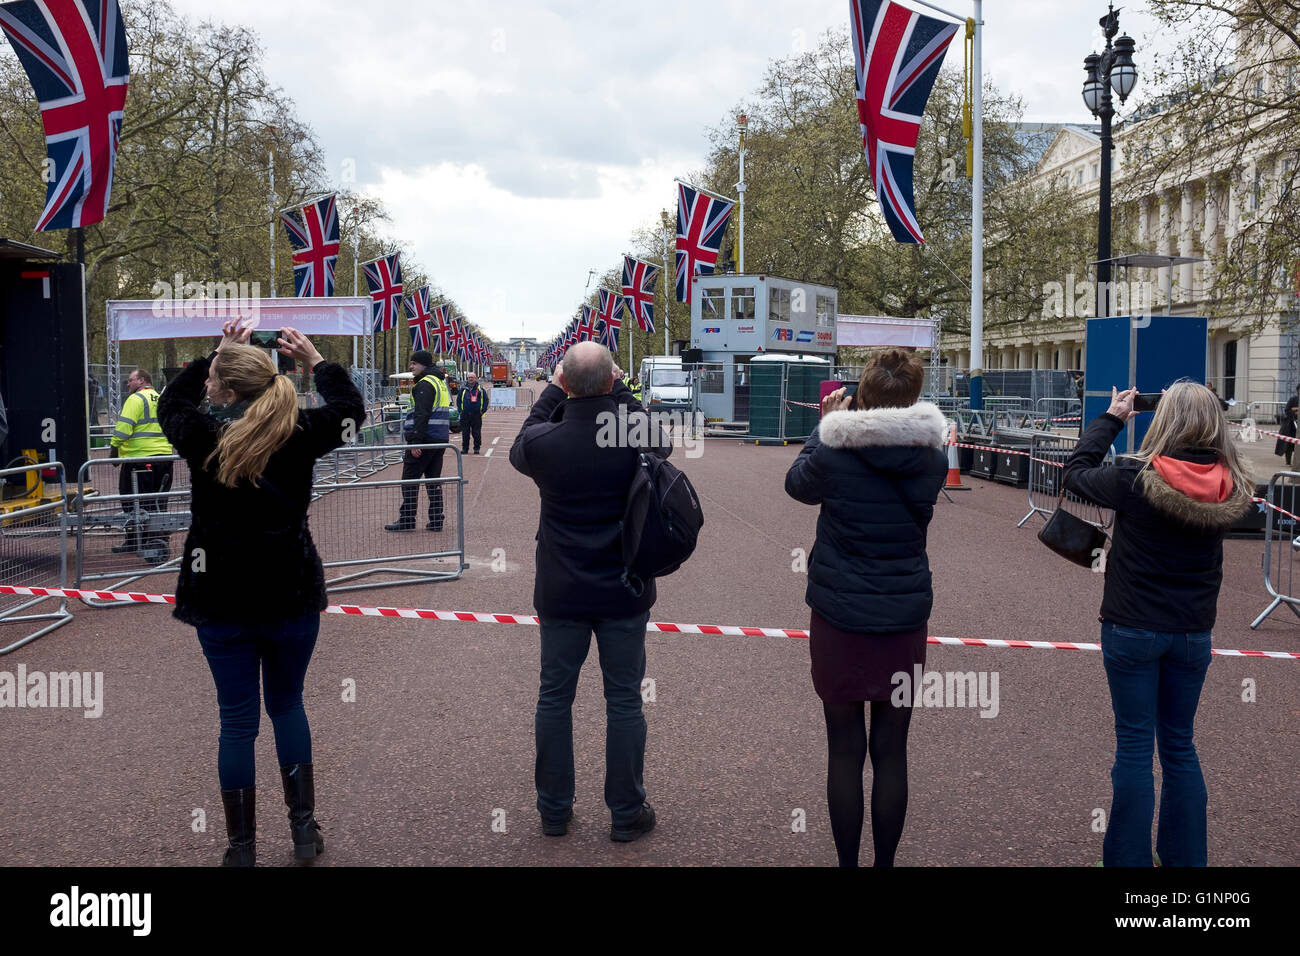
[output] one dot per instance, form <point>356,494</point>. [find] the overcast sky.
<point>519,143</point>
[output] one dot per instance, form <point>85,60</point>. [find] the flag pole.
<point>356,267</point>
<point>270,205</point>
<point>977,216</point>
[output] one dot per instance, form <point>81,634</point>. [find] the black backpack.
<point>661,522</point>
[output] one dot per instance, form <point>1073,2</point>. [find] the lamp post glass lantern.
<point>1111,71</point>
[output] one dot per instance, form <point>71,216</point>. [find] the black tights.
<point>847,745</point>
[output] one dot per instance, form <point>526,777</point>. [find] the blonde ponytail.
<point>247,444</point>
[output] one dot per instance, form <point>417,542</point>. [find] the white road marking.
<point>488,453</point>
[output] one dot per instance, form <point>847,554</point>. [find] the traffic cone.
<point>954,469</point>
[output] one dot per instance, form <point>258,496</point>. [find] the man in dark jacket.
<point>472,400</point>
<point>584,478</point>
<point>427,422</point>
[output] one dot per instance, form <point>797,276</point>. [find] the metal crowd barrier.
<point>348,512</point>
<point>1047,453</point>
<point>510,397</point>
<point>33,550</point>
<point>350,531</point>
<point>1281,543</point>
<point>141,526</point>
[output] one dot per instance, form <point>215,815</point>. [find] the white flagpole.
<point>270,165</point>
<point>977,219</point>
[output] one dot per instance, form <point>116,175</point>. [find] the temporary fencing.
<point>1048,454</point>
<point>1281,543</point>
<point>33,547</point>
<point>125,537</point>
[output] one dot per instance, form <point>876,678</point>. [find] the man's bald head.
<point>588,370</point>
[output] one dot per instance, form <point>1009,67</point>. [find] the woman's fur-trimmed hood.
<point>1213,515</point>
<point>920,425</point>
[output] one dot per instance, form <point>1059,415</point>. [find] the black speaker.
<point>692,356</point>
<point>43,358</point>
<point>1013,469</point>
<point>984,464</point>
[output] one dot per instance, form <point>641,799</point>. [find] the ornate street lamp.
<point>1112,70</point>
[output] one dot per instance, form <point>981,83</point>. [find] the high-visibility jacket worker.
<point>138,434</point>
<point>428,422</point>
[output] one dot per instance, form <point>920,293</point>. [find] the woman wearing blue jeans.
<point>250,580</point>
<point>1174,501</point>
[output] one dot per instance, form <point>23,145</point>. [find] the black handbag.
<point>1073,538</point>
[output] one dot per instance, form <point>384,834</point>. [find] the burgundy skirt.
<point>848,667</point>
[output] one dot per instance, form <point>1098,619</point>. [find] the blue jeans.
<point>621,644</point>
<point>1155,684</point>
<point>235,653</point>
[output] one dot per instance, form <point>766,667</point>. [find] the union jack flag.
<point>384,279</point>
<point>417,317</point>
<point>638,287</point>
<point>75,55</point>
<point>460,342</point>
<point>611,315</point>
<point>440,329</point>
<point>898,53</point>
<point>314,234</point>
<point>586,330</point>
<point>701,224</point>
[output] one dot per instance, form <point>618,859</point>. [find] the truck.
<point>500,373</point>
<point>665,385</point>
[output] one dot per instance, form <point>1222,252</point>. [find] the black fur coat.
<point>249,555</point>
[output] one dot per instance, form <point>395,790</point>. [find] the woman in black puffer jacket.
<point>250,580</point>
<point>875,465</point>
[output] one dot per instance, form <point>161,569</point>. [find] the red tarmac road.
<point>438,745</point>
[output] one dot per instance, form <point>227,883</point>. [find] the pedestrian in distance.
<point>1174,501</point>
<point>427,422</point>
<point>250,579</point>
<point>875,464</point>
<point>473,404</point>
<point>137,433</point>
<point>579,586</point>
<point>1287,427</point>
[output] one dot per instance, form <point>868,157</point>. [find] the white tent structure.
<point>133,320</point>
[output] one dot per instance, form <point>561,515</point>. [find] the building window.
<point>742,304</point>
<point>1229,371</point>
<point>1096,168</point>
<point>713,303</point>
<point>825,311</point>
<point>1080,176</point>
<point>778,305</point>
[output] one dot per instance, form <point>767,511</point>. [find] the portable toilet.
<point>784,395</point>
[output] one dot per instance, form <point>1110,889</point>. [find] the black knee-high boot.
<point>241,826</point>
<point>300,798</point>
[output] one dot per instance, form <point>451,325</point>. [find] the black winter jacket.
<point>584,493</point>
<point>1165,562</point>
<point>257,559</point>
<point>876,474</point>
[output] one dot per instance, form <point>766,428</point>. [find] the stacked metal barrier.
<point>34,552</point>
<point>1047,455</point>
<point>1281,544</point>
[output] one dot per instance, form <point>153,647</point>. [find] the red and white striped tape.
<point>716,630</point>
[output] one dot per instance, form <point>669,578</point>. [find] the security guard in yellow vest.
<point>138,434</point>
<point>428,422</point>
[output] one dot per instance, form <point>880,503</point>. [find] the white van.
<point>664,383</point>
